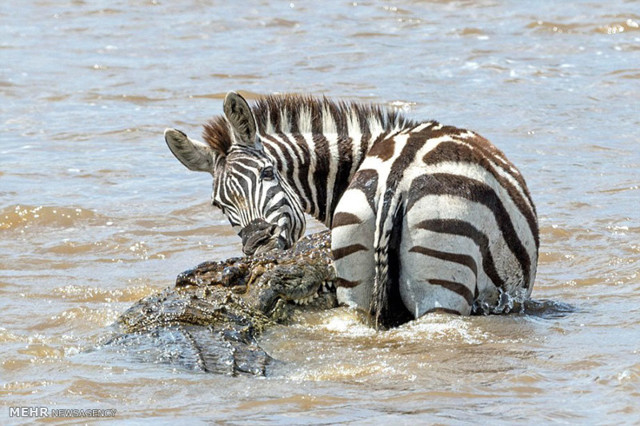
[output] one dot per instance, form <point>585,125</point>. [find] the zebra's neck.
<point>319,144</point>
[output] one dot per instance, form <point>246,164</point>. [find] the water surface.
<point>95,212</point>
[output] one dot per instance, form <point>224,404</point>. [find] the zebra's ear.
<point>242,121</point>
<point>195,155</point>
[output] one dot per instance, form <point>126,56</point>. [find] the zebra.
<point>424,217</point>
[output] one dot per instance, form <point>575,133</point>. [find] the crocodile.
<point>211,318</point>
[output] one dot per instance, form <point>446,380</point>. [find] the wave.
<point>24,216</point>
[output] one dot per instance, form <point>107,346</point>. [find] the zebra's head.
<point>247,184</point>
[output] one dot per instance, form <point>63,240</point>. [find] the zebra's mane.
<point>304,114</point>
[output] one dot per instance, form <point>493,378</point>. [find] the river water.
<point>95,212</point>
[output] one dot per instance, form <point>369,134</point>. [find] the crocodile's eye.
<point>267,173</point>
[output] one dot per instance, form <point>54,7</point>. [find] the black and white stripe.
<point>424,217</point>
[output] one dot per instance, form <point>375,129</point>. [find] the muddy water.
<point>96,213</point>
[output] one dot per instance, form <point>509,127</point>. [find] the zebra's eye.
<point>267,173</point>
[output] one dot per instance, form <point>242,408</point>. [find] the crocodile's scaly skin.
<point>210,319</point>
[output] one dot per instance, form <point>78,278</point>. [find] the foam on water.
<point>441,328</point>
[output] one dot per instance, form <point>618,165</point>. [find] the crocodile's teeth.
<point>306,300</point>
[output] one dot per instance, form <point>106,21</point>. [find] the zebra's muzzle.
<point>260,236</point>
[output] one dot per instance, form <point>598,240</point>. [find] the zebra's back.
<point>436,218</point>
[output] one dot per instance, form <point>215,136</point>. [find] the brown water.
<point>96,213</point>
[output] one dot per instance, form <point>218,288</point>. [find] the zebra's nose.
<point>259,236</point>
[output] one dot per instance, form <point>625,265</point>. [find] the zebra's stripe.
<point>448,184</point>
<point>522,218</point>
<point>460,289</point>
<point>465,229</point>
<point>346,251</point>
<point>344,219</point>
<point>461,259</point>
